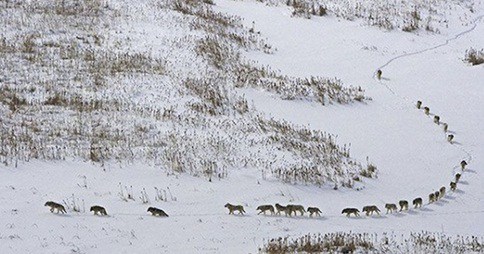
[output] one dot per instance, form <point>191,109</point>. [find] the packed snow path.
<point>413,154</point>
<point>474,24</point>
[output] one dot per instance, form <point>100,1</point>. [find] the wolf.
<point>450,137</point>
<point>281,208</point>
<point>56,206</point>
<point>314,210</point>
<point>391,207</point>
<point>233,208</point>
<point>419,104</point>
<point>295,209</point>
<point>437,119</point>
<point>453,186</point>
<point>378,74</point>
<point>403,205</point>
<point>427,110</point>
<point>370,209</point>
<point>157,212</point>
<point>350,211</point>
<point>457,177</point>
<point>265,208</point>
<point>442,191</point>
<point>417,202</point>
<point>98,209</point>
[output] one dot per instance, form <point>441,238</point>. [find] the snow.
<point>401,140</point>
<point>411,152</point>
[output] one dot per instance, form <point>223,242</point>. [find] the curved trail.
<point>392,59</point>
<point>474,25</point>
<point>475,22</point>
<point>468,155</point>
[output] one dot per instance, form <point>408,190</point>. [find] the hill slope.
<point>411,152</point>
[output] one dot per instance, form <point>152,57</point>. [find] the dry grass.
<point>407,15</point>
<point>71,89</point>
<point>323,90</point>
<point>423,242</point>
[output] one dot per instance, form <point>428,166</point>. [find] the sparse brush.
<point>28,45</point>
<point>474,57</point>
<point>74,204</point>
<point>319,89</point>
<point>121,193</point>
<point>85,95</point>
<point>412,23</point>
<point>144,197</point>
<point>217,52</point>
<point>340,242</point>
<point>370,171</point>
<point>302,9</point>
<point>164,195</point>
<point>402,15</point>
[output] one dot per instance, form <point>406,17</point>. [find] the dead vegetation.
<point>407,15</point>
<point>423,242</point>
<point>322,90</point>
<point>474,56</point>
<point>74,85</point>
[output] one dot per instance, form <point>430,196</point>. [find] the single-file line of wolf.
<point>293,209</point>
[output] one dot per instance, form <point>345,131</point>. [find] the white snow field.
<point>411,152</point>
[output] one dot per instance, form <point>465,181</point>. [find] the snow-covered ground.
<point>411,152</point>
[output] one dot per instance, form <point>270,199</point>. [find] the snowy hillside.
<point>434,16</point>
<point>153,82</point>
<point>189,105</point>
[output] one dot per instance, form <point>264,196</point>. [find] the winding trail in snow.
<point>252,215</point>
<point>475,23</point>
<point>336,216</point>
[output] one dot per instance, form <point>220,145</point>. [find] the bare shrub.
<point>370,171</point>
<point>323,11</point>
<point>474,57</point>
<point>412,23</point>
<point>301,9</point>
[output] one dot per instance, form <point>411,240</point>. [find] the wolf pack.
<point>369,209</point>
<point>99,210</point>
<point>293,209</point>
<point>277,209</point>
